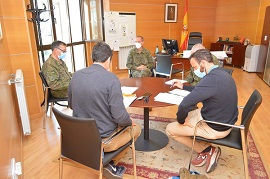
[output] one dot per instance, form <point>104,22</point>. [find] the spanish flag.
<point>184,35</point>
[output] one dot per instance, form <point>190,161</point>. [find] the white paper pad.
<point>128,100</point>
<point>179,92</point>
<point>169,98</point>
<point>128,90</point>
<point>171,82</point>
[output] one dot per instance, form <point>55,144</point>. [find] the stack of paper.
<point>128,95</point>
<point>169,98</point>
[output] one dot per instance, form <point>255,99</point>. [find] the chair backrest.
<point>163,64</point>
<point>45,84</point>
<point>250,108</point>
<point>194,38</point>
<point>80,139</point>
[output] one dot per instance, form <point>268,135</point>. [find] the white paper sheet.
<point>128,100</point>
<point>170,82</point>
<point>128,90</point>
<point>179,92</point>
<point>169,98</point>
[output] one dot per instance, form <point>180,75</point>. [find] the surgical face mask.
<point>199,73</point>
<point>138,45</point>
<point>62,55</point>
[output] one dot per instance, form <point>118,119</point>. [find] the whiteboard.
<point>120,29</point>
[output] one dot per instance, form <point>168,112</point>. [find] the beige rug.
<point>167,161</point>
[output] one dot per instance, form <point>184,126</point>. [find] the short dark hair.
<point>56,44</point>
<point>101,52</point>
<point>141,37</point>
<point>202,54</point>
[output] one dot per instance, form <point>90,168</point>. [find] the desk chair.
<point>48,99</point>
<point>237,138</point>
<point>81,143</point>
<point>194,38</point>
<point>164,66</point>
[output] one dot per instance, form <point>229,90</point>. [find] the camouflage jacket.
<point>136,59</point>
<point>57,76</point>
<point>193,79</point>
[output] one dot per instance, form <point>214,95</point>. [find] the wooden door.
<point>265,39</point>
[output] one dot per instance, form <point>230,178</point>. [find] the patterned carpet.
<point>166,162</point>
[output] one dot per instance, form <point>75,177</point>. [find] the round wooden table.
<point>150,139</point>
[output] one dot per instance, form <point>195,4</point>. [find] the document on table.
<point>128,90</point>
<point>180,92</point>
<point>128,95</point>
<point>169,98</point>
<point>171,82</point>
<point>128,100</point>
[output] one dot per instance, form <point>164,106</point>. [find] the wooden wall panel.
<point>12,9</point>
<point>264,4</point>
<point>17,37</point>
<point>237,18</point>
<point>32,102</point>
<point>27,68</point>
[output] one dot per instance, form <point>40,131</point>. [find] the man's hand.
<point>177,83</point>
<point>141,67</point>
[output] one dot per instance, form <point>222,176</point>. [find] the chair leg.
<point>134,161</point>
<point>45,114</point>
<point>60,168</point>
<point>245,158</point>
<point>52,104</point>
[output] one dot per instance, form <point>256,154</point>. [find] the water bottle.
<point>157,50</point>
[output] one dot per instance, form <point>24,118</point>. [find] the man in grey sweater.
<point>94,92</point>
<point>218,94</point>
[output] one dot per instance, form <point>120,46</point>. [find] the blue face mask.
<point>62,56</point>
<point>199,73</point>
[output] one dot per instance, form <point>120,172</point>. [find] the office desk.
<point>185,61</point>
<point>150,139</point>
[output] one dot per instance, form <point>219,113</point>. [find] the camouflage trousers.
<point>141,73</point>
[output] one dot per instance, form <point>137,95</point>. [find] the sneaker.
<point>112,171</point>
<point>212,158</point>
<point>200,160</point>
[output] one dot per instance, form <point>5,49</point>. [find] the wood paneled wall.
<point>10,124</point>
<point>21,52</point>
<point>237,18</point>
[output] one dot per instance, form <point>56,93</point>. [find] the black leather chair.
<point>164,66</point>
<point>237,138</point>
<point>194,38</point>
<point>81,143</point>
<point>48,98</point>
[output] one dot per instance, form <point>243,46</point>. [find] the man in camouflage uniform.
<point>56,72</point>
<point>192,78</point>
<point>140,61</point>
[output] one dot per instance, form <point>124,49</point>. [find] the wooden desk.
<point>185,61</point>
<point>150,139</point>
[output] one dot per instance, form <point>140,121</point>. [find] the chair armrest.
<point>223,124</point>
<point>108,140</point>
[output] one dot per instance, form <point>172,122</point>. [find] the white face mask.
<point>138,45</point>
<point>199,73</point>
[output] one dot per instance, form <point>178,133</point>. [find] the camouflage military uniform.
<point>57,76</point>
<point>193,79</point>
<point>136,58</point>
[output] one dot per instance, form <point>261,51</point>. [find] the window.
<point>71,21</point>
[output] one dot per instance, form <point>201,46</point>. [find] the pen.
<point>171,85</point>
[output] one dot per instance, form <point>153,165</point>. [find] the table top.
<point>147,85</point>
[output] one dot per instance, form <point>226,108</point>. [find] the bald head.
<point>197,47</point>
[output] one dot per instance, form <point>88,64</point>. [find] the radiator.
<point>122,56</point>
<point>20,91</point>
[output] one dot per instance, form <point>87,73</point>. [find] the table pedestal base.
<point>156,141</point>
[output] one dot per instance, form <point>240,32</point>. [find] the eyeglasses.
<point>64,51</point>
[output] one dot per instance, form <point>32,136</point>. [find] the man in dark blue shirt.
<point>217,92</point>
